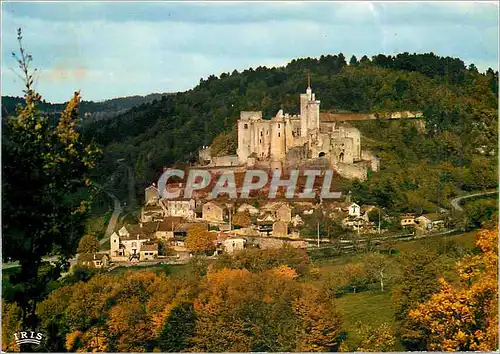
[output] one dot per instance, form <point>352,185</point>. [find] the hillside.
<point>89,110</point>
<point>459,104</point>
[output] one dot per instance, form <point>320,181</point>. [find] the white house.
<point>124,247</point>
<point>234,244</point>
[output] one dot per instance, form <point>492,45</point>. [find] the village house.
<point>151,213</point>
<point>407,221</point>
<point>278,211</point>
<point>181,208</point>
<point>234,244</point>
<point>126,244</point>
<point>429,222</point>
<point>247,208</point>
<point>247,231</point>
<point>280,229</point>
<point>94,260</point>
<point>214,211</point>
<point>358,224</point>
<point>151,195</point>
<point>266,217</point>
<point>148,251</point>
<point>167,227</point>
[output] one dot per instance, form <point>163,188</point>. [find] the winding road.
<point>114,217</point>
<point>455,203</point>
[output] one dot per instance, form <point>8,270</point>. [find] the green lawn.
<point>371,308</point>
<point>466,240</point>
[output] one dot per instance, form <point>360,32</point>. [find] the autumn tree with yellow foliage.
<point>464,317</point>
<point>45,188</point>
<point>242,219</point>
<point>238,310</point>
<point>199,239</point>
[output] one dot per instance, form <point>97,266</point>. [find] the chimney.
<point>140,224</point>
<point>94,255</point>
<point>138,236</point>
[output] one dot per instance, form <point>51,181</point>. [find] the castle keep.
<point>299,140</point>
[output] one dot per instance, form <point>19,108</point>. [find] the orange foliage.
<point>199,239</point>
<point>466,317</point>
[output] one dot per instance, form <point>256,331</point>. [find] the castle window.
<point>245,126</point>
<point>278,125</point>
<point>261,133</point>
<point>278,134</point>
<point>267,132</point>
<point>260,141</point>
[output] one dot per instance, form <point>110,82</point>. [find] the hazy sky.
<point>108,49</point>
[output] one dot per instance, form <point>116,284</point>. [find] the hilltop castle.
<point>290,141</point>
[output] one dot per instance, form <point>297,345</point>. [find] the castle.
<point>298,140</point>
<point>310,139</point>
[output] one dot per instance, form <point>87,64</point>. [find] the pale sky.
<point>112,49</point>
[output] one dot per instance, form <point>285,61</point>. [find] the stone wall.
<point>228,160</point>
<point>351,171</point>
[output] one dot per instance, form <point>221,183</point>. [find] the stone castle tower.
<point>309,111</point>
<point>272,138</point>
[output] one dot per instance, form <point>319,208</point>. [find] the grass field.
<point>371,308</point>
<point>466,240</point>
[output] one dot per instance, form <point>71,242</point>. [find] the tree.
<point>320,325</point>
<point>365,60</point>
<point>164,249</point>
<point>380,339</point>
<point>241,219</point>
<point>225,143</point>
<point>11,323</point>
<point>377,266</point>
<point>465,317</point>
<point>353,61</point>
<point>270,311</point>
<point>179,328</point>
<point>45,170</point>
<point>130,326</point>
<point>88,244</point>
<point>356,275</point>
<point>416,283</point>
<point>199,239</point>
